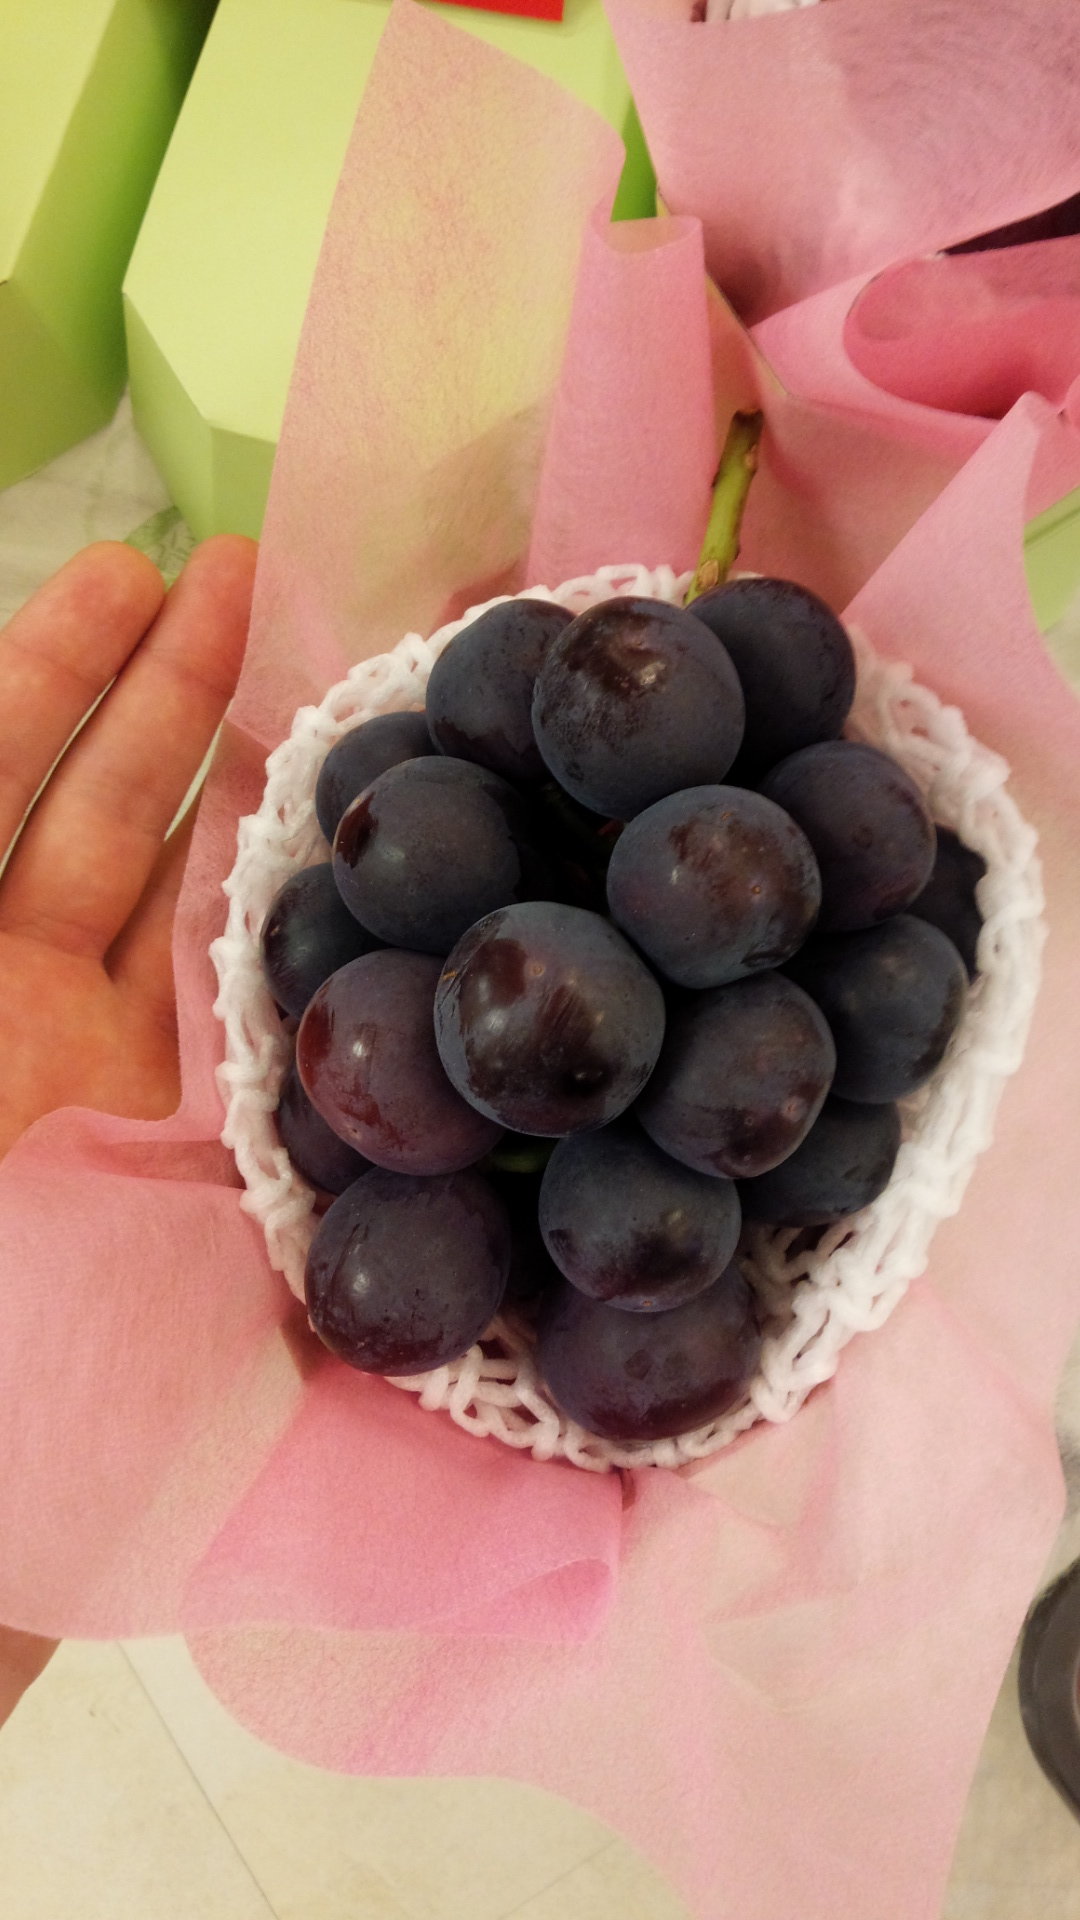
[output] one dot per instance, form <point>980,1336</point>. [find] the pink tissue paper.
<point>771,1672</point>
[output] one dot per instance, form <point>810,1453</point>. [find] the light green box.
<point>89,93</point>
<point>217,287</point>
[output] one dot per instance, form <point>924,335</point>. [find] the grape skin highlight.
<point>631,1226</point>
<point>714,884</point>
<point>404,1274</point>
<point>868,824</point>
<point>546,1019</point>
<point>741,1078</point>
<point>795,663</point>
<point>365,1053</point>
<point>635,1376</point>
<point>635,700</point>
<point>307,935</point>
<point>893,996</point>
<point>480,690</point>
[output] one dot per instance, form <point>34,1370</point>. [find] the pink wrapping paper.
<point>771,1673</point>
<point>829,142</point>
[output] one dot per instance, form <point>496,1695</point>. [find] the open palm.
<point>88,895</point>
<point>87,1002</point>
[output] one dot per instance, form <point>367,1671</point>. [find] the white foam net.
<point>815,1299</point>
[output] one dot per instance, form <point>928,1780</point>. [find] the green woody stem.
<point>738,464</point>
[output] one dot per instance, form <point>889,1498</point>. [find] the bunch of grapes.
<point>620,944</point>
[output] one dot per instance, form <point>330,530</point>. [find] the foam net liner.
<point>815,1297</point>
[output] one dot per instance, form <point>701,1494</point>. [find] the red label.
<point>525,9</point>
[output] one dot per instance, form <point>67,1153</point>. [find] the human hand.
<point>87,996</point>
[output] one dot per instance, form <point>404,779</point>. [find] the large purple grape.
<point>635,700</point>
<point>307,935</point>
<point>893,996</point>
<point>628,1225</point>
<point>319,1154</point>
<point>546,1019</point>
<point>948,900</point>
<point>480,690</point>
<point>366,1057</point>
<point>868,825</point>
<point>741,1078</point>
<point>634,1376</point>
<point>714,883</point>
<point>794,661</point>
<point>405,1274</point>
<point>845,1161</point>
<point>359,757</point>
<point>430,847</point>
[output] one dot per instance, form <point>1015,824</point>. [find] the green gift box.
<point>218,283</point>
<point>89,93</point>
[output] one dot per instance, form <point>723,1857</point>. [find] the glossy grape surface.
<point>636,1376</point>
<point>868,824</point>
<point>794,661</point>
<point>430,847</point>
<point>845,1161</point>
<point>635,700</point>
<point>628,1225</point>
<point>893,996</point>
<point>713,884</point>
<point>546,1019</point>
<point>948,899</point>
<point>405,1274</point>
<point>366,1057</point>
<point>316,1151</point>
<point>480,690</point>
<point>307,935</point>
<point>741,1078</point>
<point>361,755</point>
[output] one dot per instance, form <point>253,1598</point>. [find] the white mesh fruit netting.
<point>816,1297</point>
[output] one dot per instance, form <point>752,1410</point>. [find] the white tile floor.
<point>127,1793</point>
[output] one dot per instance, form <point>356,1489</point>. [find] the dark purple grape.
<point>547,1020</point>
<point>307,935</point>
<point>741,1078</point>
<point>713,884</point>
<point>794,661</point>
<point>948,900</point>
<point>845,1161</point>
<point>628,1225</point>
<point>633,1376</point>
<point>893,996</point>
<point>405,1274</point>
<point>359,757</point>
<point>366,1057</point>
<point>319,1154</point>
<point>430,847</point>
<point>480,690</point>
<point>533,1272</point>
<point>868,825</point>
<point>635,700</point>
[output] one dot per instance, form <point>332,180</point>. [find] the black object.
<point>1049,1681</point>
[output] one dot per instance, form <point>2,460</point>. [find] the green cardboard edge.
<point>71,228</point>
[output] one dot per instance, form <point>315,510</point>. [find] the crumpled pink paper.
<point>773,1672</point>
<point>829,142</point>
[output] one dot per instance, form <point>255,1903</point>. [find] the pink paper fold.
<point>772,1673</point>
<point>828,142</point>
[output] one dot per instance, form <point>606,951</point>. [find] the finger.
<point>140,958</point>
<point>91,843</point>
<point>58,654</point>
